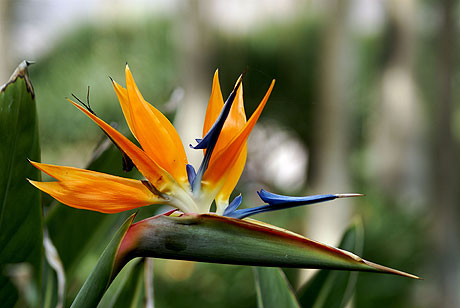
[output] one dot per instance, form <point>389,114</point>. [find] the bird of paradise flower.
<point>169,179</point>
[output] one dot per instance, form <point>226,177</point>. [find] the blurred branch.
<point>330,149</point>
<point>148,281</point>
<point>445,177</point>
<point>6,15</point>
<point>396,147</point>
<point>192,35</point>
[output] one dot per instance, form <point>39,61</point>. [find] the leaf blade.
<point>332,288</point>
<point>20,212</point>
<point>131,293</point>
<point>273,289</point>
<point>102,275</point>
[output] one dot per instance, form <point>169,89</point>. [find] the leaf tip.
<point>20,72</point>
<point>388,270</point>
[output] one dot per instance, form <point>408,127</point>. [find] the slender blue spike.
<point>276,200</point>
<point>279,202</point>
<point>209,141</point>
<point>191,174</point>
<point>233,205</point>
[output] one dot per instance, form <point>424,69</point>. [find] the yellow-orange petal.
<point>215,104</point>
<point>222,162</point>
<point>233,125</point>
<point>235,121</point>
<point>155,133</point>
<point>122,95</point>
<point>95,191</point>
<point>156,175</point>
<point>232,179</point>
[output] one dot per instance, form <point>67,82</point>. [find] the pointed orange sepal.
<point>233,124</point>
<point>215,104</point>
<point>90,190</point>
<point>122,95</point>
<point>224,160</point>
<point>155,133</point>
<point>157,176</point>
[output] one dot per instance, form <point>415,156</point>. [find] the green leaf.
<point>216,239</point>
<point>21,233</point>
<point>273,289</point>
<point>102,275</point>
<point>334,289</point>
<point>132,292</point>
<point>219,239</point>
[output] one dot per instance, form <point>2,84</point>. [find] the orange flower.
<point>162,160</point>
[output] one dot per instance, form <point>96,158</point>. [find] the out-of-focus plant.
<point>187,232</point>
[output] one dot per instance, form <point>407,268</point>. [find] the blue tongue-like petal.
<point>282,200</point>
<point>233,205</point>
<point>191,173</point>
<point>279,202</point>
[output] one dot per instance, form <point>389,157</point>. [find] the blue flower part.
<point>281,200</point>
<point>191,173</point>
<point>209,141</point>
<point>278,202</point>
<point>233,205</point>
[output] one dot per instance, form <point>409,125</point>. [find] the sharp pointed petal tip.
<point>349,195</point>
<point>34,163</point>
<point>72,102</point>
<point>388,270</point>
<point>34,183</point>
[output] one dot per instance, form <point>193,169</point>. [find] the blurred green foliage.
<point>87,58</point>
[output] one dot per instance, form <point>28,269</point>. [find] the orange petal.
<point>223,161</point>
<point>95,191</point>
<point>231,181</point>
<point>215,104</point>
<point>233,125</point>
<point>122,95</point>
<point>155,133</point>
<point>156,175</point>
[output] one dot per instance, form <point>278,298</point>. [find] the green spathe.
<point>219,239</point>
<point>216,239</point>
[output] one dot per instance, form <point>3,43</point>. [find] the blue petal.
<point>233,205</point>
<point>191,173</point>
<point>278,202</point>
<point>275,199</point>
<point>209,141</point>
